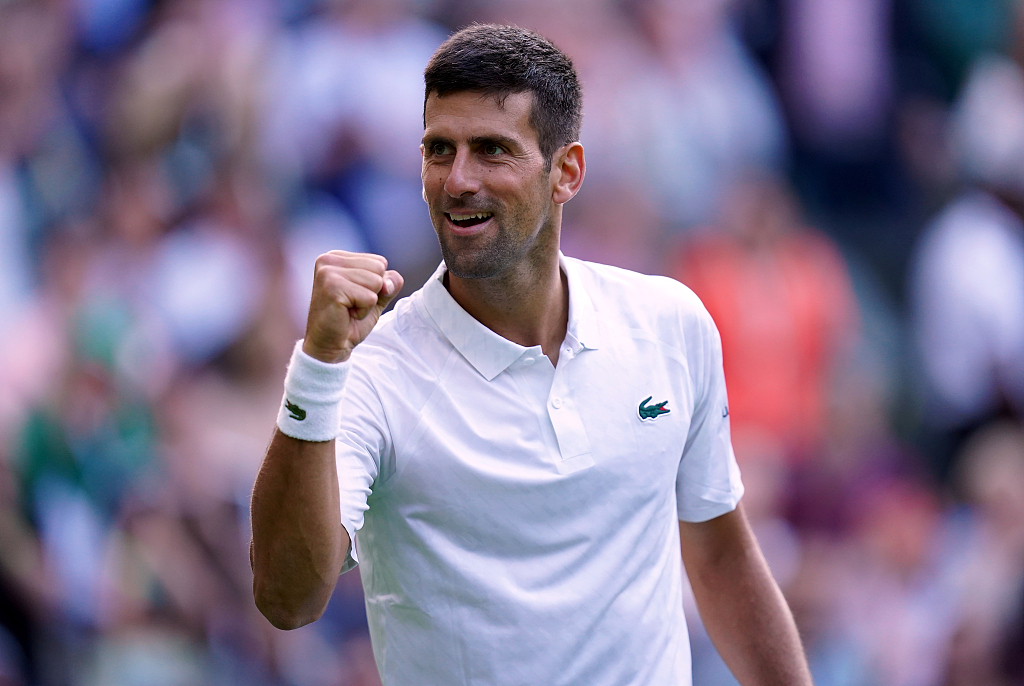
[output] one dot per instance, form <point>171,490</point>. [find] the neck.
<point>528,305</point>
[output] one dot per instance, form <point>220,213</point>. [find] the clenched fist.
<point>350,290</point>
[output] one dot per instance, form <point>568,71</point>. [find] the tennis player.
<point>523,453</point>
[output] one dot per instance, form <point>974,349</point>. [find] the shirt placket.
<point>564,413</point>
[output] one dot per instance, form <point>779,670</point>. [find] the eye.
<point>440,149</point>
<point>491,149</point>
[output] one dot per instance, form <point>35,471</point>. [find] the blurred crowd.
<point>841,182</point>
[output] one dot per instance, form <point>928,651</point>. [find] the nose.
<point>462,176</point>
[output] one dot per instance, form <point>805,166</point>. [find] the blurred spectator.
<point>967,280</point>
<point>702,112</point>
<point>989,477</point>
<point>41,169</point>
<point>344,105</point>
<point>781,297</point>
<point>593,227</point>
<point>836,73</point>
<point>900,610</point>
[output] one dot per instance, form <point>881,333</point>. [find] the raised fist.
<point>350,290</point>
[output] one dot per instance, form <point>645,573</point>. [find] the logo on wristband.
<point>296,411</point>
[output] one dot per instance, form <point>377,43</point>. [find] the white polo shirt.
<point>517,522</point>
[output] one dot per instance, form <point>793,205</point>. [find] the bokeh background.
<point>841,181</point>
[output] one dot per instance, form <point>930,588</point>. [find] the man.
<point>520,438</point>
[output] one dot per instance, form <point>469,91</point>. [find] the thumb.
<point>393,283</point>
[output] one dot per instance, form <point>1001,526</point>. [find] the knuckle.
<point>325,279</point>
<point>323,272</point>
<point>325,260</point>
<point>376,263</point>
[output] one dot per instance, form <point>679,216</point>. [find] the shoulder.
<point>642,301</point>
<point>403,343</point>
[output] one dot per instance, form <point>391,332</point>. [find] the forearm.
<point>742,608</point>
<point>298,542</point>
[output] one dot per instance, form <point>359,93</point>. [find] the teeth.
<point>466,217</point>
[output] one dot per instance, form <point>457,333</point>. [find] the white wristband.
<point>310,408</point>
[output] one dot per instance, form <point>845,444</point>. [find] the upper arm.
<point>361,451</point>
<point>714,542</point>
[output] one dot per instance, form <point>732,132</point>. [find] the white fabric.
<point>312,392</point>
<point>517,522</point>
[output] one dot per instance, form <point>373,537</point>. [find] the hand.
<point>350,290</point>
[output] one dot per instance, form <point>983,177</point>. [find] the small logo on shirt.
<point>725,412</point>
<point>296,411</point>
<point>653,411</point>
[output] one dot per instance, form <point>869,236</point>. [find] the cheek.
<point>432,183</point>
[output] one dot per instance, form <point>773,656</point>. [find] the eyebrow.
<point>475,141</point>
<point>431,140</point>
<point>503,141</point>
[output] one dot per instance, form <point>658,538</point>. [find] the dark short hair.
<point>501,60</point>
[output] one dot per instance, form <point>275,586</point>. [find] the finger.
<point>340,258</point>
<point>363,277</point>
<point>358,300</point>
<point>393,282</point>
<point>332,281</point>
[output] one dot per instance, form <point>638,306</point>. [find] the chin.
<point>471,269</point>
<point>482,263</point>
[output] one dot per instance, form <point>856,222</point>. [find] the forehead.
<point>470,114</point>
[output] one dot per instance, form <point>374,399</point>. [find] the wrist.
<point>310,407</point>
<point>335,356</point>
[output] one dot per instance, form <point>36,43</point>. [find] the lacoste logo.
<point>654,411</point>
<point>296,411</point>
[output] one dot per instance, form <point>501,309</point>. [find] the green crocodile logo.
<point>654,411</point>
<point>296,411</point>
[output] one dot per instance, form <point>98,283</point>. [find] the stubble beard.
<point>488,259</point>
<point>482,262</point>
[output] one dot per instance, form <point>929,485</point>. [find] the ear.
<point>423,186</point>
<point>567,170</point>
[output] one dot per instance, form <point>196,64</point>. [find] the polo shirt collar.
<point>488,352</point>
<point>583,330</point>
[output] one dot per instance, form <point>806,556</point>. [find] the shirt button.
<point>556,403</point>
<point>528,361</point>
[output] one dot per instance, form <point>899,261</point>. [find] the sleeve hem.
<point>709,510</point>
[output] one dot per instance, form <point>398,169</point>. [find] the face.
<point>486,182</point>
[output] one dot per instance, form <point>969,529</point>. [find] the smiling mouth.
<point>465,221</point>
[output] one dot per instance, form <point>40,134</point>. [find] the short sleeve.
<point>708,482</point>
<point>363,437</point>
